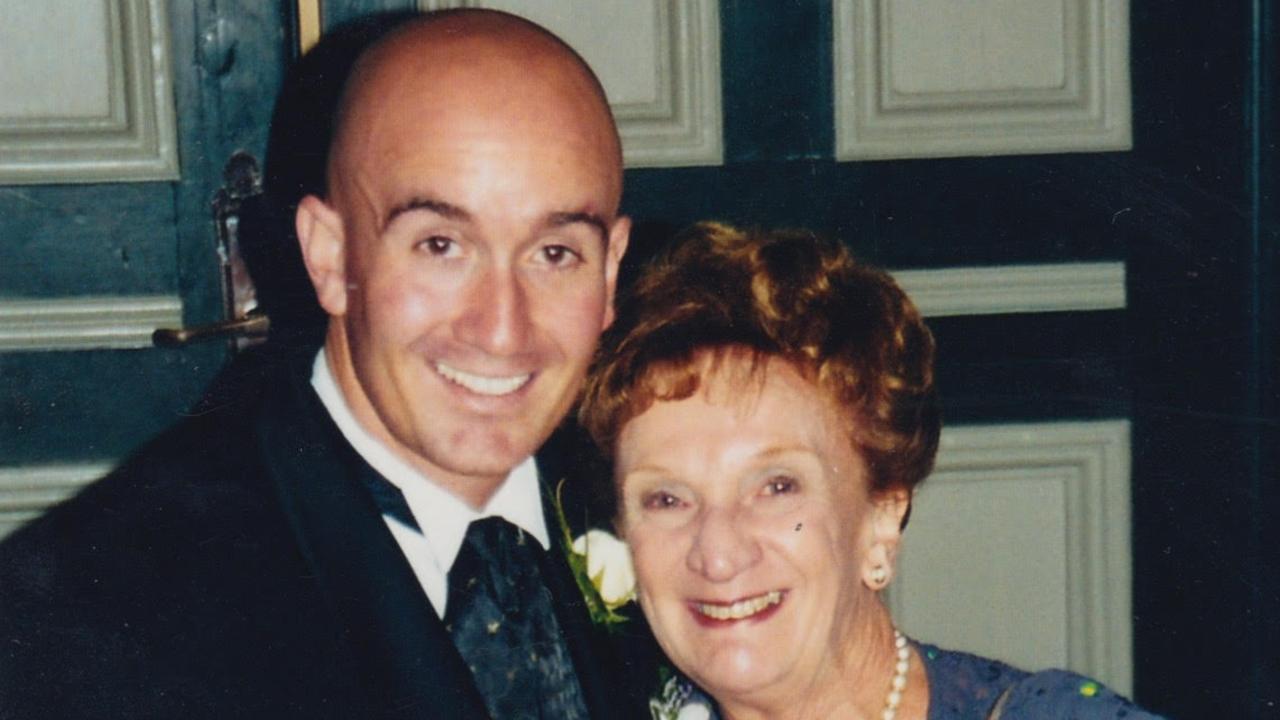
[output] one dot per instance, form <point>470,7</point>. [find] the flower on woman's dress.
<point>678,700</point>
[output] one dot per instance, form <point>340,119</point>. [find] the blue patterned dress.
<point>967,687</point>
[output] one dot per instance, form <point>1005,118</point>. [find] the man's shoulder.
<point>197,481</point>
<point>141,515</point>
<point>174,581</point>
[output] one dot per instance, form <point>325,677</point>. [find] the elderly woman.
<point>769,408</point>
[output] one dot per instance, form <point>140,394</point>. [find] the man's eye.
<point>559,255</point>
<point>437,245</point>
<point>781,485</point>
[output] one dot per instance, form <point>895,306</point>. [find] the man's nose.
<point>723,546</point>
<point>497,318</point>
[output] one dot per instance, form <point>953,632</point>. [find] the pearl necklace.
<point>899,684</point>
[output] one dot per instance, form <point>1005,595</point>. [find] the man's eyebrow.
<point>455,212</point>
<point>560,219</point>
<point>439,207</point>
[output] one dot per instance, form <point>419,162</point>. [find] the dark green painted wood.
<point>1033,367</point>
<point>1204,586</point>
<point>1265,204</point>
<point>913,214</point>
<point>89,240</point>
<point>236,55</point>
<point>136,239</point>
<point>776,67</point>
<point>336,12</point>
<point>1263,171</point>
<point>64,407</point>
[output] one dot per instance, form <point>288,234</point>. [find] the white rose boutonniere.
<point>608,566</point>
<point>601,565</point>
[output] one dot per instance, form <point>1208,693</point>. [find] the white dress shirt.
<point>442,516</point>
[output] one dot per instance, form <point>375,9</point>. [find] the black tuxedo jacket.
<point>237,568</point>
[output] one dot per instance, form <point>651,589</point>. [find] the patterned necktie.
<point>500,616</point>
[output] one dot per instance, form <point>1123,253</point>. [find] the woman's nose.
<point>723,546</point>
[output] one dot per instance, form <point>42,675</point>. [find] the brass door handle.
<point>247,325</point>
<point>252,327</point>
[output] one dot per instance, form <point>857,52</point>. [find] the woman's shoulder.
<point>964,686</point>
<point>970,687</point>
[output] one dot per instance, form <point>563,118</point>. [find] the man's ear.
<point>619,236</point>
<point>322,239</point>
<point>888,508</point>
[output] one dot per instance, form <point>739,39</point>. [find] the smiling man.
<point>366,533</point>
<point>468,246</point>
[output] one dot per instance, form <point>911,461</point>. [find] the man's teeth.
<point>480,384</point>
<point>742,608</point>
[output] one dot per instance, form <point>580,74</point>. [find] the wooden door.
<point>115,120</point>
<point>1079,195</point>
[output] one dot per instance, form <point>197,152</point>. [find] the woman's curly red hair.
<point>783,294</point>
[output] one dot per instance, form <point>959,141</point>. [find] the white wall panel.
<point>86,92</point>
<point>1003,289</point>
<point>941,47</point>
<point>659,61</point>
<point>934,78</point>
<point>85,323</point>
<point>42,79</point>
<point>1018,548</point>
<point>26,491</point>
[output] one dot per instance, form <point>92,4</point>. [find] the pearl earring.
<point>879,576</point>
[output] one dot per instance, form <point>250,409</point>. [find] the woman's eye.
<point>781,485</point>
<point>660,501</point>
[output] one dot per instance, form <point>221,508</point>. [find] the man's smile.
<point>480,384</point>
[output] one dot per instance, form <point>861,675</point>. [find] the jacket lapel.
<point>618,668</point>
<point>608,687</point>
<point>398,644</point>
<point>589,654</point>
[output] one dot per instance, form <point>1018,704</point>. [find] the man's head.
<point>467,247</point>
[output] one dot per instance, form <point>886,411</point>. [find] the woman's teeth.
<point>480,384</point>
<point>742,608</point>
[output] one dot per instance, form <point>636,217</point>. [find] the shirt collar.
<point>443,516</point>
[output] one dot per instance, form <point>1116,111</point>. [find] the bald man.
<point>368,533</point>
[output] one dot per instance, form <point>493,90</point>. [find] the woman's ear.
<point>888,508</point>
<point>322,241</point>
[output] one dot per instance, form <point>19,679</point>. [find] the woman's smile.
<point>755,609</point>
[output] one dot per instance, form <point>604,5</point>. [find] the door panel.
<point>919,78</point>
<point>89,266</point>
<point>64,240</point>
<point>103,112</point>
<point>1141,311</point>
<point>1019,547</point>
<point>1141,209</point>
<point>1018,269</point>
